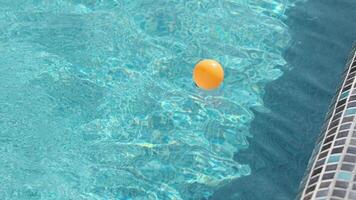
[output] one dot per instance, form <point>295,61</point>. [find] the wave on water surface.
<point>97,100</point>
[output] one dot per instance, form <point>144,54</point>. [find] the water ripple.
<point>97,100</point>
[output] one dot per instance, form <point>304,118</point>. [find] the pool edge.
<point>331,168</point>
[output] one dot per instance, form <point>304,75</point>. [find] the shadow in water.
<point>322,34</point>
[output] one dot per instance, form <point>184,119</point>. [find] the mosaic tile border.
<point>332,171</point>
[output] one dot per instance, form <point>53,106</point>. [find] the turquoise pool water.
<point>322,33</point>
<point>97,101</point>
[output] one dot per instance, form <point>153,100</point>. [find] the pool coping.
<point>331,172</point>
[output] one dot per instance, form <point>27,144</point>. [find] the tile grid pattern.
<point>332,171</point>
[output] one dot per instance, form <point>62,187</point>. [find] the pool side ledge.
<point>331,172</point>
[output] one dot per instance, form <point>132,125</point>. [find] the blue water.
<point>97,101</point>
<point>322,33</point>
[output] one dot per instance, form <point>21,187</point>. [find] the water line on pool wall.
<point>331,169</point>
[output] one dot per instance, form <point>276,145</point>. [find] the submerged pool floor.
<point>322,34</point>
<point>97,100</point>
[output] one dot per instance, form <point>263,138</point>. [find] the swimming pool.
<point>97,101</point>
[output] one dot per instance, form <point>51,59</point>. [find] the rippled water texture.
<point>97,101</point>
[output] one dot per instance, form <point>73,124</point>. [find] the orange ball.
<point>208,74</point>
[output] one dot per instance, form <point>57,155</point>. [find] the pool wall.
<point>331,170</point>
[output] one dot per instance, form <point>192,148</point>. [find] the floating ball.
<point>208,74</point>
